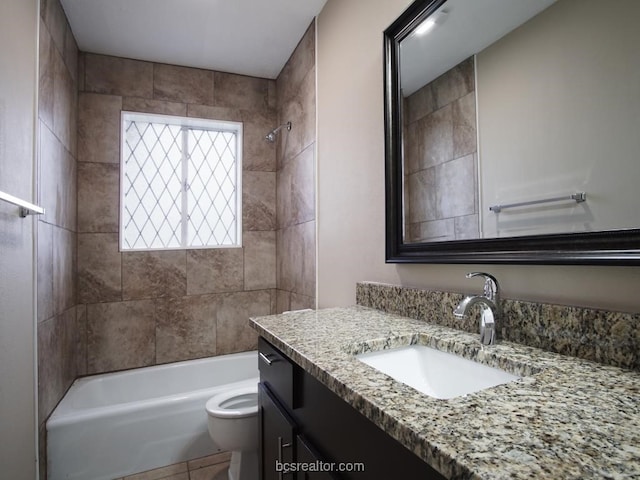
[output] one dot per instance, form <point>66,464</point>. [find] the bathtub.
<point>116,424</point>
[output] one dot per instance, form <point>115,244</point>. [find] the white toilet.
<point>233,426</point>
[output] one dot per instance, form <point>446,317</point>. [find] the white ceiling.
<point>249,37</point>
<point>468,28</point>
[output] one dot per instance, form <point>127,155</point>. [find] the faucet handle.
<point>491,285</point>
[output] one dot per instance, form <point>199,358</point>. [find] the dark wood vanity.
<point>303,422</point>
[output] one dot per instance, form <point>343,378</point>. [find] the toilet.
<point>233,426</point>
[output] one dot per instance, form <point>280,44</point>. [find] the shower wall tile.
<point>65,98</point>
<point>456,176</point>
<point>64,269</point>
<point>45,83</point>
<point>147,105</point>
<point>421,196</point>
<point>233,332</point>
<point>214,113</point>
<point>302,61</point>
<point>114,284</point>
<point>240,91</point>
<point>99,128</point>
<point>215,270</point>
<point>182,84</point>
<point>302,119</point>
<point>55,19</point>
<point>45,271</point>
<point>154,274</point>
<point>437,131</point>
<point>120,335</point>
<point>259,200</point>
<point>432,231</point>
<point>259,260</point>
<point>467,227</point>
<point>81,340</point>
<point>259,154</point>
<point>99,268</point>
<point>118,76</point>
<point>296,270</point>
<point>420,104</point>
<point>454,84</point>
<point>464,126</point>
<point>98,197</point>
<point>296,189</point>
<point>186,327</point>
<point>295,154</point>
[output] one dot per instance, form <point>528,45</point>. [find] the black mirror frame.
<point>618,247</point>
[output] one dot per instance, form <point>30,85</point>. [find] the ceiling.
<point>249,37</point>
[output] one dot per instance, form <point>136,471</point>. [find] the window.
<point>180,183</point>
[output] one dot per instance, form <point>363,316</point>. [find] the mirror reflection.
<point>520,118</point>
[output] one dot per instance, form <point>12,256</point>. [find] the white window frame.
<point>198,123</point>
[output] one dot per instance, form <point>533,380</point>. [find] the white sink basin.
<point>435,373</point>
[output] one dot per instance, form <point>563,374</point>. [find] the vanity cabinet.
<point>303,422</point>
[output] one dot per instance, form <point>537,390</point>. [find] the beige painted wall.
<point>351,183</point>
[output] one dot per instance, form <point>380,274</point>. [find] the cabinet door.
<point>277,434</point>
<point>316,469</point>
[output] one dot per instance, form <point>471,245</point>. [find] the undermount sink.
<point>435,373</point>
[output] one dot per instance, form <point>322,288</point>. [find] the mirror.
<point>512,132</point>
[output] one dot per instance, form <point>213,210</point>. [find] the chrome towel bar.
<point>26,208</point>
<point>578,197</point>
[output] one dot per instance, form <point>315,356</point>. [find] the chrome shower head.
<point>271,136</point>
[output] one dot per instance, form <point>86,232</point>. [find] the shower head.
<point>271,136</point>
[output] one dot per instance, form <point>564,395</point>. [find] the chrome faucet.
<point>489,303</point>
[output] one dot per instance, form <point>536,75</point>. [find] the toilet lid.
<point>237,403</point>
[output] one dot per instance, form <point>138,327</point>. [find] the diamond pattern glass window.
<point>180,183</point>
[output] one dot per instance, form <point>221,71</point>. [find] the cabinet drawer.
<point>276,371</point>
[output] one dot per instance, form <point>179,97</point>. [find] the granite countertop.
<point>565,418</point>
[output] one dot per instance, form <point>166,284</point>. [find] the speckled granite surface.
<point>612,338</point>
<point>566,418</point>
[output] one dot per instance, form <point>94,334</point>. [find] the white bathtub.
<point>116,424</point>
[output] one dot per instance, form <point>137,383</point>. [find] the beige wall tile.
<point>81,343</point>
<point>259,201</point>
<point>283,301</point>
<point>296,269</point>
<point>301,62</point>
<point>45,271</point>
<point>70,53</point>
<point>99,128</point>
<point>300,302</point>
<point>56,22</point>
<point>118,76</point>
<point>120,335</point>
<point>64,269</point>
<point>258,153</point>
<point>420,103</point>
<point>214,270</point>
<point>421,195</point>
<point>233,331</point>
<point>464,126</point>
<point>456,176</point>
<point>45,83</point>
<point>65,104</point>
<point>296,189</point>
<point>154,274</point>
<point>436,130</point>
<point>241,91</point>
<point>98,197</point>
<point>182,84</point>
<point>186,327</point>
<point>214,113</point>
<point>259,260</point>
<point>455,83</point>
<point>99,268</point>
<point>147,105</point>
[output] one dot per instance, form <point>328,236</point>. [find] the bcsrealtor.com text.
<point>318,466</point>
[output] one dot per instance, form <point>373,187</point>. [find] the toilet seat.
<point>237,403</point>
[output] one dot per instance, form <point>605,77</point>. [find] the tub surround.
<point>566,418</point>
<point>611,338</point>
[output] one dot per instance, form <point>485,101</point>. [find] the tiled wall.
<point>441,158</point>
<point>296,242</point>
<point>146,308</point>
<point>606,337</point>
<point>60,329</point>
